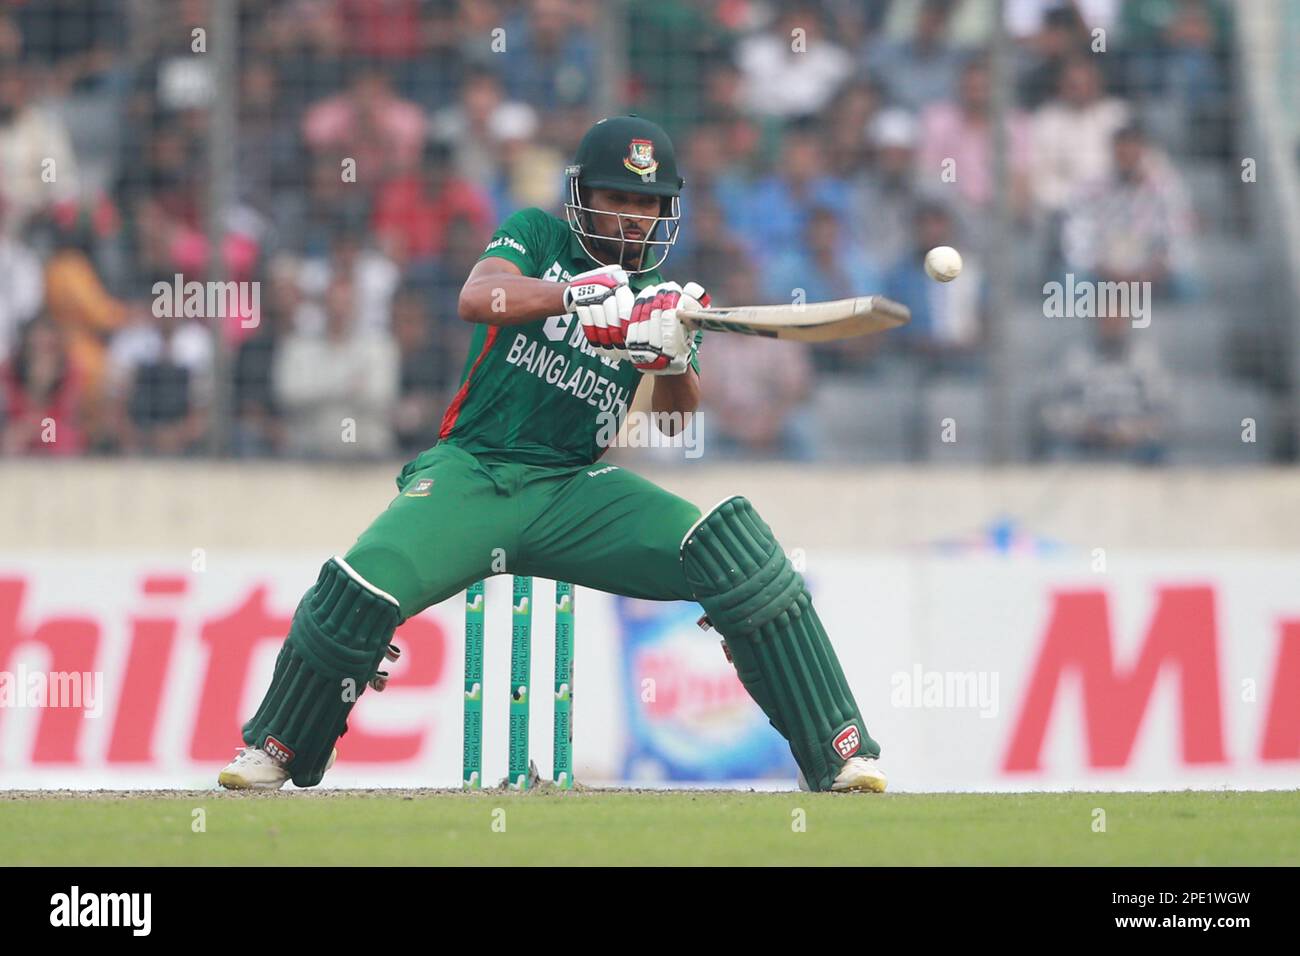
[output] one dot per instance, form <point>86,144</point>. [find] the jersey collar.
<point>579,256</point>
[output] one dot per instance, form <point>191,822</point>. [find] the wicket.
<point>519,776</point>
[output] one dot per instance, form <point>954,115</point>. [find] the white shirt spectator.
<point>189,346</point>
<point>1071,148</point>
<point>375,279</point>
<point>477,150</point>
<point>338,393</point>
<point>781,82</point>
<point>34,147</point>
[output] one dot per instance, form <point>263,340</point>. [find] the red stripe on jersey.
<point>453,410</point>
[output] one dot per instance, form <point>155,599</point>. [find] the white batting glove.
<point>602,301</point>
<point>657,341</point>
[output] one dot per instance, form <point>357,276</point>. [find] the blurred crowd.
<point>826,145</point>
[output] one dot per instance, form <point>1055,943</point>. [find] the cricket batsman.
<point>568,316</point>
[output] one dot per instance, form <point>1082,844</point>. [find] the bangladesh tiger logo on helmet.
<point>641,157</point>
<point>634,155</point>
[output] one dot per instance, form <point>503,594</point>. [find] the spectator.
<point>962,132</point>
<point>338,388</point>
<point>305,220</point>
<point>550,57</point>
<point>923,69</point>
<point>439,283</point>
<point>166,212</point>
<point>1071,137</point>
<point>740,133</point>
<point>1062,33</point>
<point>678,97</point>
<point>792,69</point>
<point>370,123</point>
<point>848,124</point>
<point>169,78</point>
<point>160,383</point>
<point>433,76</point>
<point>756,405</point>
<point>825,265</point>
<point>38,168</point>
<point>424,381</point>
<point>161,167</point>
<point>887,193</point>
<point>709,158</point>
<point>774,214</point>
<point>711,250</point>
<point>79,40</point>
<point>22,288</point>
<point>1110,401</point>
<point>88,314</point>
<point>1027,20</point>
<point>472,23</point>
<point>371,275</point>
<point>473,127</point>
<point>258,423</point>
<point>1133,226</point>
<point>529,169</point>
<point>412,213</point>
<point>1178,50</point>
<point>41,395</point>
<point>946,316</point>
<point>307,41</point>
<point>382,29</point>
<point>270,157</point>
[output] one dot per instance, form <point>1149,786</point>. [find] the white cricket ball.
<point>943,263</point>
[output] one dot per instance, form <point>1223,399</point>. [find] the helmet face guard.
<point>666,224</point>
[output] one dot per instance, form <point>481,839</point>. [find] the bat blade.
<point>810,322</point>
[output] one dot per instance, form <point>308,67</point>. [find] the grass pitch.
<point>424,827</point>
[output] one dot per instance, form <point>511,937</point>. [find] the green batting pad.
<point>336,642</point>
<point>758,602</point>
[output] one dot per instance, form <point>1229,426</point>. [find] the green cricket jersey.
<point>539,393</point>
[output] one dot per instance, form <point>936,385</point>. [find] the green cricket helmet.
<point>634,155</point>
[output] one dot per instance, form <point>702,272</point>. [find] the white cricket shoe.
<point>857,775</point>
<point>255,769</point>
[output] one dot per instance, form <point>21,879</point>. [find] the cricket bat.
<point>809,322</point>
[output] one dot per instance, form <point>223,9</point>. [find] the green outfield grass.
<point>639,828</point>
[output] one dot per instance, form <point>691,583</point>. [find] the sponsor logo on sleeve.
<point>508,243</point>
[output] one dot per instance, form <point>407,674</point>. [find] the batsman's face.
<point>633,213</point>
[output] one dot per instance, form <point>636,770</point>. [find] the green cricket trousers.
<point>459,518</point>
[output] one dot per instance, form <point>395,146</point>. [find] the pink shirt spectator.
<point>383,140</point>
<point>948,132</point>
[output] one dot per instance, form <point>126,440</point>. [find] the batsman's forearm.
<point>676,393</point>
<point>501,298</point>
